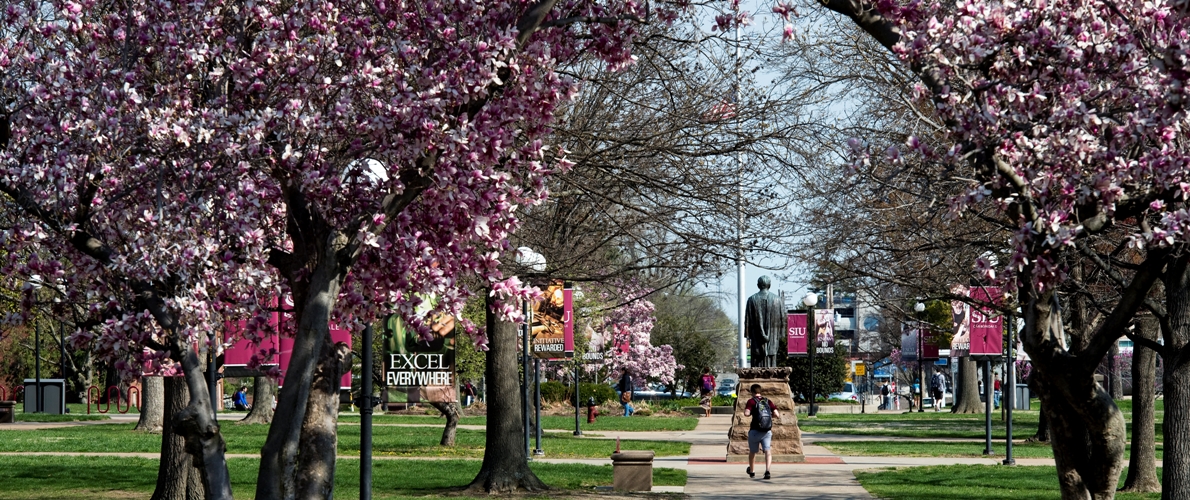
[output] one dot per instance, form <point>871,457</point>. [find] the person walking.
<point>760,432</point>
<point>707,381</point>
<point>884,399</point>
<point>468,394</point>
<point>938,390</point>
<point>625,387</point>
<point>997,391</point>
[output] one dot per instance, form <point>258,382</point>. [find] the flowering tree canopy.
<point>173,139</point>
<point>624,333</point>
<point>197,160</point>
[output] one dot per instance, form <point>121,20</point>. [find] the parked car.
<point>659,391</point>
<point>847,394</point>
<point>726,388</point>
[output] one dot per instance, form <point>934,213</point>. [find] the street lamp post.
<point>811,300</point>
<point>534,261</point>
<point>921,370</point>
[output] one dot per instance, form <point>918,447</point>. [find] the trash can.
<point>1020,399</point>
<point>8,412</point>
<point>54,392</point>
<point>632,470</point>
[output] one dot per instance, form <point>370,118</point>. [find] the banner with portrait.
<point>824,331</point>
<point>416,370</point>
<point>960,314</point>
<point>795,335</point>
<point>553,323</point>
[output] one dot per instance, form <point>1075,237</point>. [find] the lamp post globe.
<point>919,307</point>
<point>810,300</point>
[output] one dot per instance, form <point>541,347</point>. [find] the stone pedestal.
<point>632,470</point>
<point>787,437</point>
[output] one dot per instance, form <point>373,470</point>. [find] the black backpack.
<point>762,416</point>
<point>884,391</point>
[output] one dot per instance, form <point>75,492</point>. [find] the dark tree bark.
<point>504,468</point>
<point>263,388</point>
<point>451,412</point>
<point>1176,382</point>
<point>1043,429</point>
<point>279,455</point>
<point>967,388</point>
<point>1115,379</point>
<point>177,479</point>
<point>1087,428</point>
<point>319,441</point>
<point>152,406</point>
<point>1142,464</point>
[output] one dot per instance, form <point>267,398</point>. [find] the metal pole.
<point>37,365</point>
<point>62,346</point>
<point>577,430</point>
<point>525,379</point>
<point>216,401</point>
<point>921,369</point>
<point>1011,379</point>
<point>537,404</point>
<point>740,271</point>
<point>365,419</point>
<point>987,405</point>
<point>812,341</point>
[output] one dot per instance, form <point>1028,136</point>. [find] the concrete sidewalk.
<point>709,476</point>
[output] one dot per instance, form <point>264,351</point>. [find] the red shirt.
<point>752,404</point>
<point>996,385</point>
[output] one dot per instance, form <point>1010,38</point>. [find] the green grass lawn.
<point>931,424</point>
<point>603,423</point>
<point>940,449</point>
<point>994,482</point>
<point>393,441</point>
<point>43,477</point>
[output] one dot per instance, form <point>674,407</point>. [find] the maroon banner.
<point>929,341</point>
<point>796,335</point>
<point>986,327</point>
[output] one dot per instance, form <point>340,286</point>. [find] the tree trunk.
<point>1087,429</point>
<point>315,478</point>
<point>152,406</point>
<point>175,467</point>
<point>196,424</point>
<point>505,468</point>
<point>967,388</point>
<point>1043,429</point>
<point>262,401</point>
<point>451,412</point>
<point>313,307</point>
<point>1142,465</point>
<point>1115,379</point>
<point>1176,466</point>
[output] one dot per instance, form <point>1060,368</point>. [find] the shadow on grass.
<point>45,477</point>
<point>991,482</point>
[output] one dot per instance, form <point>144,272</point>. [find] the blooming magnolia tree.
<point>1067,116</point>
<point>197,160</point>
<point>626,329</point>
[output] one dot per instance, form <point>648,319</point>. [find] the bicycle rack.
<point>128,395</point>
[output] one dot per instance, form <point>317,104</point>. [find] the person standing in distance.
<point>760,434</point>
<point>626,387</point>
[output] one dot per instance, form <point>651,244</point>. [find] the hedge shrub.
<point>557,392</point>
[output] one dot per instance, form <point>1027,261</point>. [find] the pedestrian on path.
<point>708,390</point>
<point>625,387</point>
<point>998,393</point>
<point>760,433</point>
<point>938,389</point>
<point>884,392</point>
<point>468,394</point>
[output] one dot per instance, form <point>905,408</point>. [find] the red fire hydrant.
<point>592,410</point>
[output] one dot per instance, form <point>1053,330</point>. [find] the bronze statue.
<point>764,323</point>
